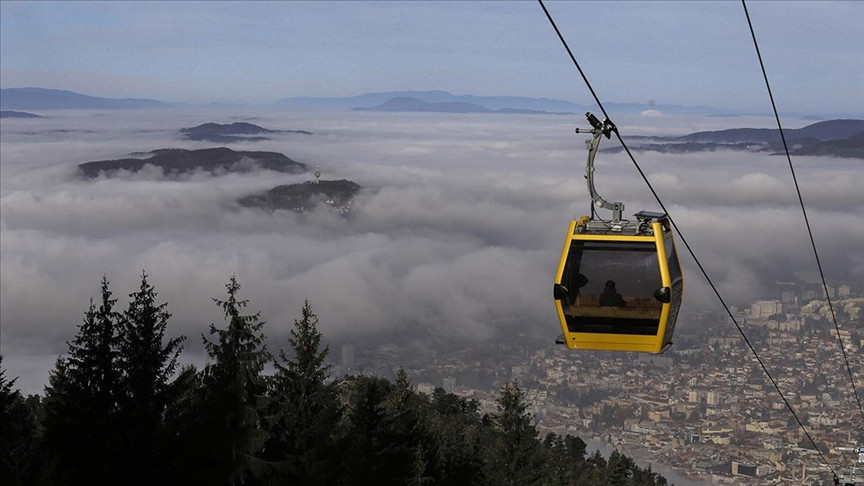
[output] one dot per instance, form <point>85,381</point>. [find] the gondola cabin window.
<point>613,285</point>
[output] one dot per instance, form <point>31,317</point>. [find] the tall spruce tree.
<point>402,419</point>
<point>565,459</point>
<point>619,469</point>
<point>373,453</point>
<point>455,435</point>
<point>515,457</point>
<point>186,454</point>
<point>305,410</point>
<point>558,470</point>
<point>148,364</point>
<point>594,471</point>
<point>234,392</point>
<point>9,397</point>
<point>81,401</point>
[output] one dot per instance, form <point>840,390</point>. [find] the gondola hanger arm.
<point>599,129</point>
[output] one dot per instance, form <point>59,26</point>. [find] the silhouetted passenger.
<point>610,297</point>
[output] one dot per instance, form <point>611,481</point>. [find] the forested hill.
<point>838,138</point>
<point>231,133</point>
<point>119,410</point>
<point>175,162</point>
<point>17,114</point>
<point>338,195</point>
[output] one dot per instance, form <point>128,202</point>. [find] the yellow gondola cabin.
<point>619,291</point>
<point>619,284</point>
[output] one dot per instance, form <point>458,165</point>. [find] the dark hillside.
<point>301,197</point>
<point>230,133</point>
<point>837,138</point>
<point>175,162</point>
<point>59,99</point>
<point>847,147</point>
<point>833,129</point>
<point>822,131</point>
<point>17,114</point>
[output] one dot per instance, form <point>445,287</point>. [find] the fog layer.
<point>456,234</point>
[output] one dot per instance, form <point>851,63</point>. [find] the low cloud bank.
<point>456,234</point>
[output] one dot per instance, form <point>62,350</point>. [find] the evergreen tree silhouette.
<point>305,410</point>
<point>234,392</point>
<point>18,434</point>
<point>81,400</point>
<point>455,433</point>
<point>515,457</point>
<point>148,364</point>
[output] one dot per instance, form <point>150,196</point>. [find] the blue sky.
<point>689,53</point>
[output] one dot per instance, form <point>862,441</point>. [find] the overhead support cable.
<point>803,211</point>
<point>684,241</point>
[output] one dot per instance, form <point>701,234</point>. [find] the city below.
<point>705,409</point>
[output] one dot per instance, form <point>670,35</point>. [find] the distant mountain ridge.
<point>174,162</point>
<point>492,103</point>
<point>374,99</point>
<point>824,130</point>
<point>839,138</point>
<point>58,99</point>
<point>407,104</point>
<point>52,99</point>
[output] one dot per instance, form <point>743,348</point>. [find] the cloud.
<point>457,233</point>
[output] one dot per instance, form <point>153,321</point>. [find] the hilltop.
<point>18,114</point>
<point>59,99</point>
<point>301,197</point>
<point>174,162</point>
<point>230,133</point>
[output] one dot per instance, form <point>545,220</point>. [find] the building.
<point>763,309</point>
<point>740,469</point>
<point>347,357</point>
<point>712,398</point>
<point>449,384</point>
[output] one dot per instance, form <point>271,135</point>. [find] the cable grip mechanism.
<point>599,129</point>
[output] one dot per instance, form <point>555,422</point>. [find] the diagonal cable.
<point>684,241</point>
<point>803,210</point>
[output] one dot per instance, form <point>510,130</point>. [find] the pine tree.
<point>558,469</point>
<point>7,394</point>
<point>420,474</point>
<point>148,366</point>
<point>305,409</point>
<point>618,469</point>
<point>81,401</point>
<point>454,430</point>
<point>515,457</point>
<point>18,434</point>
<point>595,469</point>
<point>402,423</point>
<point>374,455</point>
<point>188,431</point>
<point>233,394</point>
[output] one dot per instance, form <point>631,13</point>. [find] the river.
<point>672,476</point>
